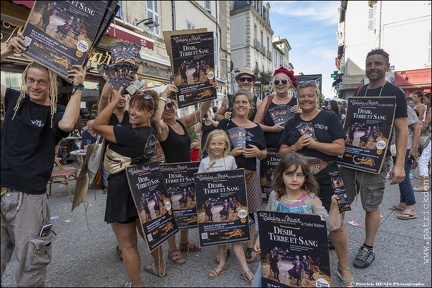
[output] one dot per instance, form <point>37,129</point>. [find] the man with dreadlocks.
<point>34,124</point>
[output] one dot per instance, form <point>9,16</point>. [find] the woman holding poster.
<point>175,143</point>
<point>128,141</point>
<point>324,140</point>
<point>246,156</point>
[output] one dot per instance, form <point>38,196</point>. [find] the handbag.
<point>425,138</point>
<point>95,157</point>
<point>98,179</point>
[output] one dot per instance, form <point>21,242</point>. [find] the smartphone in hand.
<point>135,86</point>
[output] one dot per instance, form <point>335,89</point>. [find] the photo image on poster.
<point>294,250</point>
<point>222,212</point>
<point>61,33</point>
<point>152,203</point>
<point>368,125</point>
<point>180,187</point>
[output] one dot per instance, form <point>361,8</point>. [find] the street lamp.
<point>149,22</point>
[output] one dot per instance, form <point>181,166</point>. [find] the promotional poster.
<point>222,207</point>
<point>152,202</point>
<point>61,33</point>
<point>368,125</point>
<point>271,161</point>
<point>193,67</point>
<point>294,250</point>
<point>180,187</point>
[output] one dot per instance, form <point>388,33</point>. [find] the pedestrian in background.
<point>26,166</point>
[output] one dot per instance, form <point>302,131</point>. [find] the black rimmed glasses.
<point>283,81</point>
<point>244,79</point>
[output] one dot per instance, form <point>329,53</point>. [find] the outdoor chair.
<point>63,176</point>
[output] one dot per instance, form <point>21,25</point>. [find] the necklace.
<point>380,90</point>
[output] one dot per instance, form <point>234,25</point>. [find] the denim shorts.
<point>370,186</point>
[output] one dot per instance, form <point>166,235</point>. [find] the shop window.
<point>11,79</point>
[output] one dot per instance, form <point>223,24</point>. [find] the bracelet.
<point>162,99</point>
<point>76,87</point>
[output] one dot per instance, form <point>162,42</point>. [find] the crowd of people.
<point>151,118</point>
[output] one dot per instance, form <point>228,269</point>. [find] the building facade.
<point>366,25</point>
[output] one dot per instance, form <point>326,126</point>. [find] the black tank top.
<point>176,147</point>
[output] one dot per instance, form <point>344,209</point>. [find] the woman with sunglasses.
<point>175,143</point>
<point>247,157</point>
<point>319,134</point>
<point>128,141</point>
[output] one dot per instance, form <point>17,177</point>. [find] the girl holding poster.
<point>218,146</point>
<point>295,190</point>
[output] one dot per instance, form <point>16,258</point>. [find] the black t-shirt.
<point>28,143</point>
<point>327,128</point>
<point>134,142</point>
<point>254,136</point>
<point>272,138</point>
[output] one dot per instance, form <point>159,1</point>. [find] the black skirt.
<point>120,206</point>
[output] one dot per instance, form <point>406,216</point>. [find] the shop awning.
<point>124,34</point>
<point>28,3</point>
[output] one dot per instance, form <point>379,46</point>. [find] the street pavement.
<point>84,253</point>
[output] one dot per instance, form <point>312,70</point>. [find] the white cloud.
<point>325,11</point>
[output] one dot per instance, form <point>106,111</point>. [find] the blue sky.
<point>310,28</point>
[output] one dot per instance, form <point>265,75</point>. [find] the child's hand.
<point>257,246</point>
<point>335,200</point>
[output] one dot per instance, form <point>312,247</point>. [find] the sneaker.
<point>364,258</point>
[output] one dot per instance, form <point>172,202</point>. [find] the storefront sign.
<point>9,30</point>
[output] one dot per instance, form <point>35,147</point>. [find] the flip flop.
<point>396,208</point>
<point>406,216</point>
<point>152,270</point>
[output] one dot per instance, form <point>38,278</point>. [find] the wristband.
<point>162,99</point>
<point>76,87</point>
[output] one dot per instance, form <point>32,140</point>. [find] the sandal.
<point>398,207</point>
<point>249,258</point>
<point>216,272</point>
<point>176,257</point>
<point>407,214</point>
<point>345,281</point>
<point>152,270</point>
<point>186,247</point>
<point>424,188</point>
<point>228,254</point>
<point>128,284</point>
<point>248,276</point>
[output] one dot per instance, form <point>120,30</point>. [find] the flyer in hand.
<point>180,187</point>
<point>368,126</point>
<point>61,33</point>
<point>238,136</point>
<point>222,207</point>
<point>193,67</point>
<point>272,160</point>
<point>280,114</point>
<point>119,74</point>
<point>152,202</point>
<point>295,250</point>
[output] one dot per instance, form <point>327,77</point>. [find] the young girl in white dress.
<point>218,147</point>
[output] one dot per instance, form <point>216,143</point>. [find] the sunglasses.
<point>169,105</point>
<point>244,79</point>
<point>146,97</point>
<point>283,81</point>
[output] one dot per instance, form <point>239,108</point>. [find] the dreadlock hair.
<point>52,78</point>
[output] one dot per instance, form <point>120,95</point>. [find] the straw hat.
<point>246,70</point>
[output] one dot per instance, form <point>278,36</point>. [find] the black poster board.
<point>271,161</point>
<point>193,66</point>
<point>61,33</point>
<point>288,237</point>
<point>152,203</point>
<point>368,126</point>
<point>180,187</point>
<point>222,207</point>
